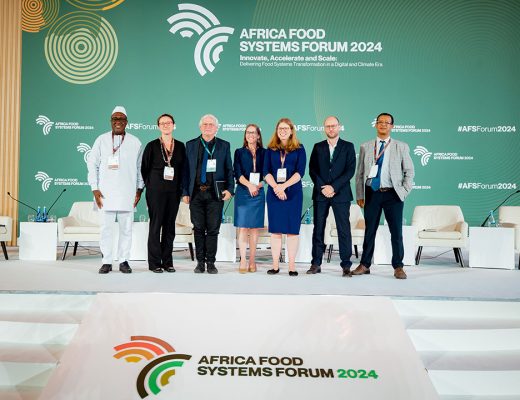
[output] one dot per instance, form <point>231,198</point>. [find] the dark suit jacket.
<point>336,173</point>
<point>224,170</point>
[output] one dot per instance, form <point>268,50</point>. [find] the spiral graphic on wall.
<point>39,14</point>
<point>81,47</point>
<point>95,5</point>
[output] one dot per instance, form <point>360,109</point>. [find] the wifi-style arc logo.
<point>45,179</point>
<point>85,149</point>
<point>162,362</point>
<point>46,123</point>
<point>192,19</point>
<point>422,152</point>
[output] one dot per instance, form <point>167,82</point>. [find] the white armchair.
<point>6,232</point>
<point>82,225</point>
<point>440,226</point>
<point>509,217</point>
<point>357,229</point>
<point>184,228</point>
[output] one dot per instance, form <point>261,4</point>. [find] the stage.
<point>464,323</point>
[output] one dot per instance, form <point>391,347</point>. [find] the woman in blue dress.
<point>284,167</point>
<point>249,195</point>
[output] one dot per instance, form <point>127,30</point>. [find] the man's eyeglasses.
<point>331,126</point>
<point>165,123</point>
<point>383,123</point>
<point>118,119</point>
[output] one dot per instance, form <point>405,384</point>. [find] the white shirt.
<point>332,148</point>
<point>118,186</point>
<point>386,180</point>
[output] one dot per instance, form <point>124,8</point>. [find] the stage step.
<point>471,349</point>
<point>35,330</point>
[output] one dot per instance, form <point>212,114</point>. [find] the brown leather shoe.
<point>361,270</point>
<point>399,273</point>
<point>314,269</point>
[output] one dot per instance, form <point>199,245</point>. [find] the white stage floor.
<point>435,277</point>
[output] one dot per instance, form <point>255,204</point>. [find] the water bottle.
<point>38,214</point>
<point>307,217</point>
<point>44,215</point>
<point>491,220</point>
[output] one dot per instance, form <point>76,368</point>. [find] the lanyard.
<point>382,152</point>
<point>167,154</point>
<point>210,153</point>
<point>282,157</point>
<point>114,149</point>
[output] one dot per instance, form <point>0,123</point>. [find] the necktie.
<point>376,181</point>
<point>204,165</point>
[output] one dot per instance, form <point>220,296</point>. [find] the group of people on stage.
<point>202,174</point>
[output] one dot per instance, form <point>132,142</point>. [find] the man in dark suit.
<point>208,176</point>
<point>332,165</point>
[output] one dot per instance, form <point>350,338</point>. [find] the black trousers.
<point>206,217</point>
<point>342,216</point>
<point>375,204</point>
<point>162,209</point>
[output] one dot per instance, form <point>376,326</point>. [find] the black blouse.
<point>152,167</point>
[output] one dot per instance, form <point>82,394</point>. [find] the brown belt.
<point>203,188</point>
<point>385,189</point>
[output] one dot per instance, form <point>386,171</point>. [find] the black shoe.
<point>169,268</point>
<point>105,268</point>
<point>211,268</point>
<point>200,268</point>
<point>314,269</point>
<point>293,273</point>
<point>347,273</point>
<point>273,271</point>
<point>157,270</point>
<point>125,268</point>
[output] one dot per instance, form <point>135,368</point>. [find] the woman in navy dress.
<point>284,167</point>
<point>249,194</point>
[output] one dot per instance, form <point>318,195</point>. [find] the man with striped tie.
<point>384,179</point>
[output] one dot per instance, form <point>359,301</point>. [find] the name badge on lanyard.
<point>169,173</point>
<point>254,178</point>
<point>373,171</point>
<point>281,175</point>
<point>211,166</point>
<point>113,161</point>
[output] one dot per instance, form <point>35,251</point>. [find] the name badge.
<point>113,162</point>
<point>169,173</point>
<point>373,171</point>
<point>254,178</point>
<point>281,175</point>
<point>211,166</point>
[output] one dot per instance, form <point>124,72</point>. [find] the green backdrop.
<point>448,70</point>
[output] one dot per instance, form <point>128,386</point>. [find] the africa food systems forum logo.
<point>47,124</point>
<point>46,181</point>
<point>193,18</point>
<point>163,362</point>
<point>425,155</point>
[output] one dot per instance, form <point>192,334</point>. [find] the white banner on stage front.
<point>198,346</point>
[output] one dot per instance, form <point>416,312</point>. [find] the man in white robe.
<point>114,174</point>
